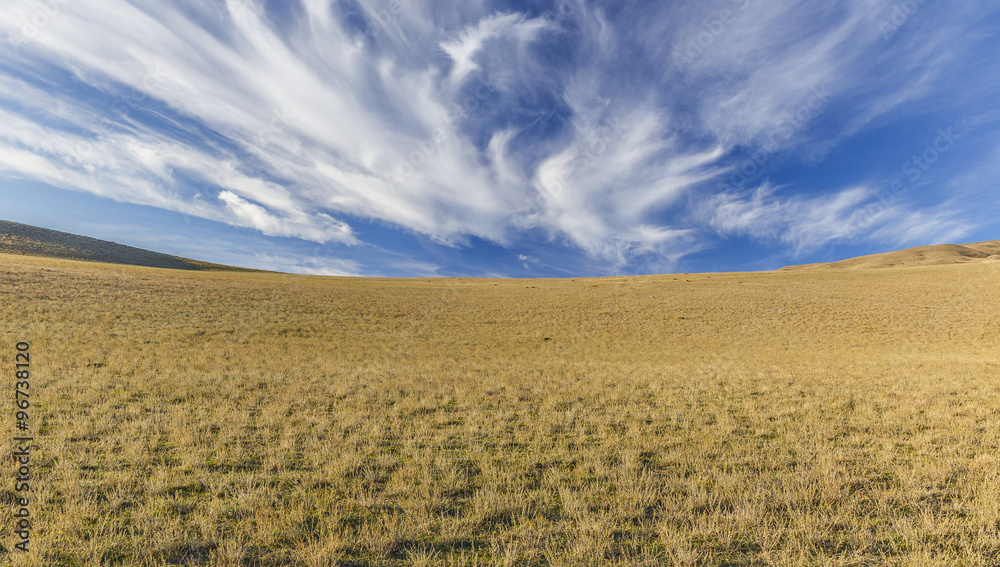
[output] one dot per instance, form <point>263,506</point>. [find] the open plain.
<point>802,417</point>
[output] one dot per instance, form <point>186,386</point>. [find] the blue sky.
<point>503,138</point>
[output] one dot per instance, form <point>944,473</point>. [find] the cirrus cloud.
<point>574,125</point>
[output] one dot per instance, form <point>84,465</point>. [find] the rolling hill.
<point>936,255</point>
<point>27,240</point>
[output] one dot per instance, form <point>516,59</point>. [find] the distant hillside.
<point>27,240</point>
<point>936,255</point>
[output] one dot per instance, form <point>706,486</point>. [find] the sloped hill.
<point>27,240</point>
<point>991,247</point>
<point>935,255</point>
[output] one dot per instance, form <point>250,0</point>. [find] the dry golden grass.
<point>938,254</point>
<point>794,418</point>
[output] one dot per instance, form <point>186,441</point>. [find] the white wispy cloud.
<point>913,228</point>
<point>471,40</point>
<point>400,114</point>
<point>803,222</point>
<point>808,223</point>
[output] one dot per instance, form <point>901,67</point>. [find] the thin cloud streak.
<point>458,125</point>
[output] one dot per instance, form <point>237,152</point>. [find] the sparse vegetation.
<point>23,239</point>
<point>843,418</point>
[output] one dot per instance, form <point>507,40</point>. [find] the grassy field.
<point>826,418</point>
